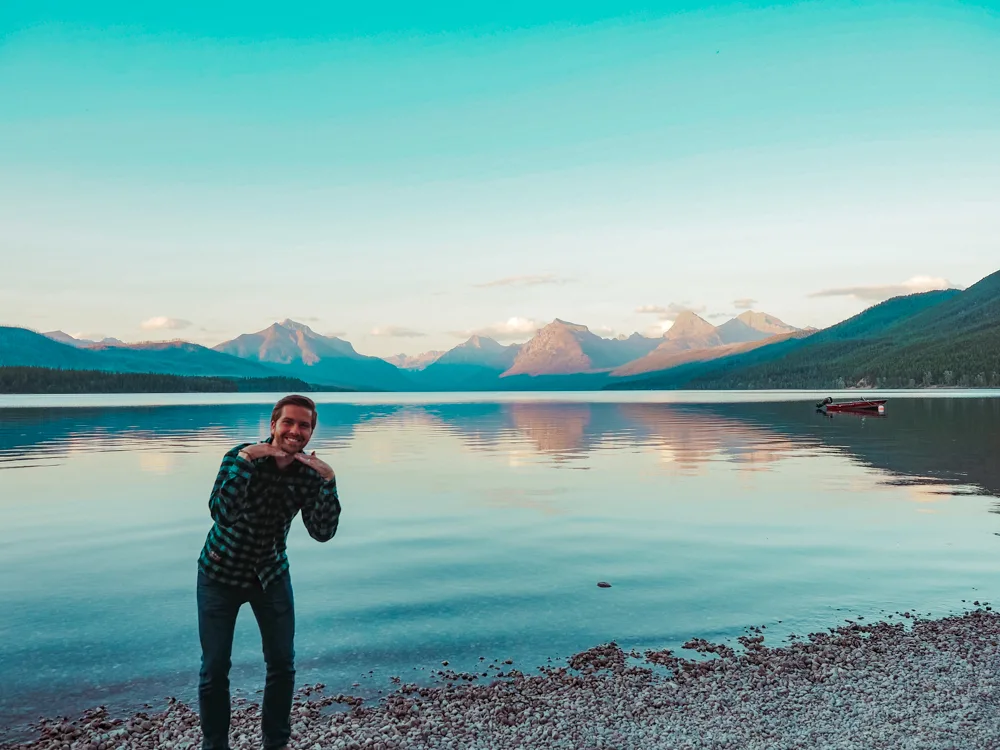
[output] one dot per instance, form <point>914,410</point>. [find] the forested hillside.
<point>932,339</point>
<point>45,380</point>
<point>941,338</point>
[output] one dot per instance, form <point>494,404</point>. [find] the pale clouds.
<point>510,330</point>
<point>83,336</point>
<point>163,323</point>
<point>532,280</point>
<point>397,332</point>
<point>671,311</point>
<point>744,303</point>
<point>657,330</point>
<point>880,292</point>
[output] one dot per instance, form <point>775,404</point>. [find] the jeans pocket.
<point>279,595</point>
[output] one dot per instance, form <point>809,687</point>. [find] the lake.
<point>479,525</point>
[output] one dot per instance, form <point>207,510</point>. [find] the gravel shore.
<point>931,683</point>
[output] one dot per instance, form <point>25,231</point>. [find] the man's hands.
<point>316,464</point>
<point>262,450</point>
<point>266,450</point>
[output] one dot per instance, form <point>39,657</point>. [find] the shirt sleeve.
<point>322,514</point>
<point>228,498</point>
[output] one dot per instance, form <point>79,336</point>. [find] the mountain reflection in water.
<point>925,441</point>
<point>481,529</point>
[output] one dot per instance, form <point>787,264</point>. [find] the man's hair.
<point>294,400</point>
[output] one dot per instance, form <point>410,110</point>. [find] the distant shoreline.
<point>41,381</point>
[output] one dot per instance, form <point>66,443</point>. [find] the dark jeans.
<point>274,608</point>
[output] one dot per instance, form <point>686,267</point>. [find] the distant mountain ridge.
<point>287,343</point>
<point>65,338</point>
<point>563,348</point>
<point>481,351</point>
<point>295,350</point>
<point>735,331</point>
<point>666,360</point>
<point>753,326</point>
<point>947,337</point>
<point>561,354</point>
<point>20,347</point>
<point>689,326</point>
<point>414,361</point>
<point>692,338</point>
<point>475,364</point>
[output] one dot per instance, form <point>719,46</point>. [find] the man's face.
<point>292,429</point>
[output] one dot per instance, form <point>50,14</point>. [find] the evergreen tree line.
<point>47,380</point>
<point>900,369</point>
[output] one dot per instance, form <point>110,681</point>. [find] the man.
<point>259,490</point>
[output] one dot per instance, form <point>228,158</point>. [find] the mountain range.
<point>948,337</point>
<point>295,350</point>
<point>938,338</point>
<point>561,354</point>
<point>65,338</point>
<point>20,347</point>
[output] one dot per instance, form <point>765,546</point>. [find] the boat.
<point>864,405</point>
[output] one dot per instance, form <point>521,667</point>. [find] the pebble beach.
<point>905,683</point>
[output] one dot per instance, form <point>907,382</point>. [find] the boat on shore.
<point>876,406</point>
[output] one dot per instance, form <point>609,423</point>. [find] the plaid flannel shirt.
<point>253,504</point>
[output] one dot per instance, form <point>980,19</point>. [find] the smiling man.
<point>259,490</point>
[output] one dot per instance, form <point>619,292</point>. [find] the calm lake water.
<point>479,526</point>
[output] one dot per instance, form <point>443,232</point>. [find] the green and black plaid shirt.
<point>253,504</point>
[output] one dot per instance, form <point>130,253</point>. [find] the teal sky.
<point>403,175</point>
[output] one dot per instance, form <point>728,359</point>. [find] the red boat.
<point>865,405</point>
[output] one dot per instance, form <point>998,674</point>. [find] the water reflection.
<point>481,528</point>
<point>951,443</point>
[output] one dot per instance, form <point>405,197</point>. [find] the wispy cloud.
<point>163,323</point>
<point>510,330</point>
<point>671,311</point>
<point>744,303</point>
<point>397,332</point>
<point>717,315</point>
<point>606,331</point>
<point>532,280</point>
<point>880,292</point>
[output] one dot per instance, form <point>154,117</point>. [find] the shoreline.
<point>927,683</point>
